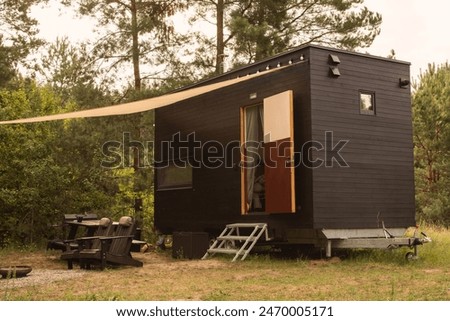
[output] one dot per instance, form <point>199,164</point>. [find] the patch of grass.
<point>438,251</point>
<point>216,295</point>
<point>358,275</point>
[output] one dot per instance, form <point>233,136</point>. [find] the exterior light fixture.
<point>334,59</point>
<point>403,83</point>
<point>334,71</point>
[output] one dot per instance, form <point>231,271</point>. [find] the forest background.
<point>136,52</point>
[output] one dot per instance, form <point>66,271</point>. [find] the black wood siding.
<point>215,197</point>
<point>378,185</point>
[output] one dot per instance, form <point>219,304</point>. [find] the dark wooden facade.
<point>377,185</point>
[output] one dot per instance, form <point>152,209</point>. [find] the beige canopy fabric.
<point>139,106</point>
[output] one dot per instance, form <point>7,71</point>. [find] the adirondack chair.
<point>114,249</point>
<point>71,254</point>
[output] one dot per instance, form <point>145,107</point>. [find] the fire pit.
<point>16,271</point>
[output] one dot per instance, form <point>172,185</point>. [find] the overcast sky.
<point>418,30</point>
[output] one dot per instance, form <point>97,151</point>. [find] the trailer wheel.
<point>410,256</point>
<point>230,245</point>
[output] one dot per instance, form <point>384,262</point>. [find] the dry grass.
<point>364,275</point>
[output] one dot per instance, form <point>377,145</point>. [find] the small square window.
<point>367,103</point>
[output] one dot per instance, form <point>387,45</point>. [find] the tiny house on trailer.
<point>313,146</point>
<point>317,152</point>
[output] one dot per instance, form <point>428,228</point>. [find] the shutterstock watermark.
<point>187,150</point>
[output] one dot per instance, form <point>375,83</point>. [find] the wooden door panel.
<point>278,179</point>
<point>279,153</point>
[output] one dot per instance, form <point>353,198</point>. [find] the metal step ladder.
<point>232,234</point>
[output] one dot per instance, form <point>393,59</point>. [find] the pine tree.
<point>431,108</point>
<point>251,30</point>
<point>18,36</point>
<point>130,31</point>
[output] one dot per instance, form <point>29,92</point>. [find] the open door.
<point>267,172</point>
<point>279,153</point>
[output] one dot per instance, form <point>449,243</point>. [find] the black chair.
<point>113,250</point>
<point>71,254</point>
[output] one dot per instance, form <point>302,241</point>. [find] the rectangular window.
<point>174,177</point>
<point>367,103</point>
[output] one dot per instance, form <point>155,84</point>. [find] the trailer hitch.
<point>415,242</point>
<point>421,241</point>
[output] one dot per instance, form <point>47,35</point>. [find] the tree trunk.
<point>137,87</point>
<point>135,46</point>
<point>220,44</point>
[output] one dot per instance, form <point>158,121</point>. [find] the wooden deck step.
<point>250,225</point>
<point>236,232</point>
<point>223,251</point>
<point>235,238</point>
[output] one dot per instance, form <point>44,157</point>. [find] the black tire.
<point>410,256</point>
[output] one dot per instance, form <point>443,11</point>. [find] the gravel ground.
<point>37,277</point>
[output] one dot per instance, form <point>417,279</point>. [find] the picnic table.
<point>68,229</point>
